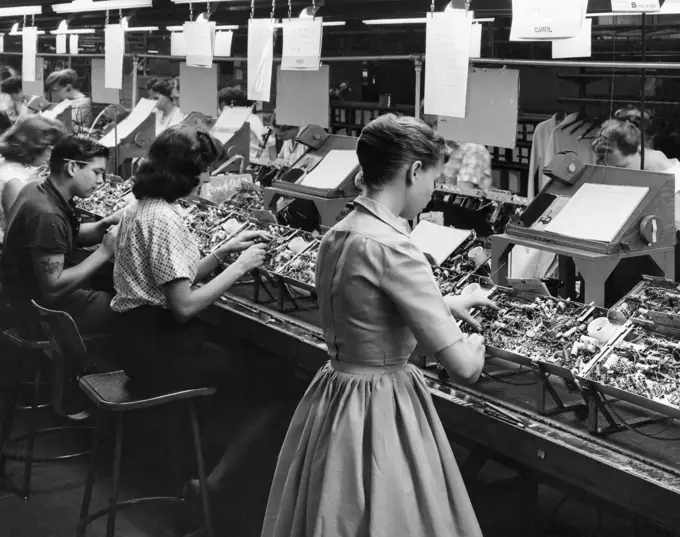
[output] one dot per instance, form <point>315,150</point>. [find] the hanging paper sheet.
<point>223,42</point>
<point>73,43</point>
<point>302,97</point>
<point>114,50</point>
<point>546,19</point>
<point>302,44</point>
<point>199,89</point>
<point>447,57</point>
<point>260,58</point>
<point>476,41</point>
<point>61,43</point>
<point>100,93</point>
<point>637,6</point>
<point>575,47</point>
<point>2,43</point>
<point>29,40</point>
<point>178,44</point>
<point>491,112</point>
<point>144,109</point>
<point>37,87</point>
<point>200,41</point>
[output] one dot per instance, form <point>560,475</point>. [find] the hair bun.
<point>631,115</point>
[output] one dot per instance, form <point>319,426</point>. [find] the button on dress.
<point>366,454</point>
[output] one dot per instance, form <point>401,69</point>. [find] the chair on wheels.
<point>109,394</point>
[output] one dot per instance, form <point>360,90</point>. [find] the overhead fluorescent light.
<point>420,20</point>
<point>329,23</point>
<point>617,14</point>
<point>141,29</point>
<point>199,1</point>
<point>15,30</point>
<point>83,6</point>
<point>20,11</point>
<point>181,28</point>
<point>80,31</point>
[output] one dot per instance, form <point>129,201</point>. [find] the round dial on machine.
<point>650,227</point>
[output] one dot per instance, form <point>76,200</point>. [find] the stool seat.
<point>108,392</point>
<point>15,337</point>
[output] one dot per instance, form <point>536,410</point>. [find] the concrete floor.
<point>53,509</point>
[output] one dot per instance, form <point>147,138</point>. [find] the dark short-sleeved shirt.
<point>41,220</point>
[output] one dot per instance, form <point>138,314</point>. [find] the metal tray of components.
<point>308,255</point>
<point>120,189</point>
<point>652,301</point>
<point>211,240</point>
<point>584,377</point>
<point>283,235</point>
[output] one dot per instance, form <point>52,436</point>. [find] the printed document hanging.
<point>447,57</point>
<point>546,19</point>
<point>302,45</point>
<point>260,58</point>
<point>114,50</point>
<point>29,38</point>
<point>200,42</point>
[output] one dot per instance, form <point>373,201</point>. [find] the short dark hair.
<point>6,71</point>
<point>63,78</point>
<point>161,85</point>
<point>11,85</point>
<point>76,147</point>
<point>232,97</point>
<point>29,137</point>
<point>389,142</point>
<point>176,160</point>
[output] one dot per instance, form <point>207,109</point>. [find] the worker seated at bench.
<point>43,233</point>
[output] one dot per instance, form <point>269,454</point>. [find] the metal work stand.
<point>595,268</point>
<point>546,388</point>
<point>597,406</point>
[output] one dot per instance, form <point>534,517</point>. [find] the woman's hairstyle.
<point>29,137</point>
<point>11,85</point>
<point>163,86</point>
<point>176,160</point>
<point>61,79</point>
<point>623,133</point>
<point>390,142</point>
<point>232,97</point>
<point>76,147</point>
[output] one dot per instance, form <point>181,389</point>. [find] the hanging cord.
<point>290,10</point>
<point>106,21</point>
<point>271,15</point>
<point>207,10</point>
<point>653,436</point>
<point>33,20</point>
<point>252,9</point>
<point>313,9</point>
<point>24,26</point>
<point>432,9</point>
<point>191,12</point>
<point>120,16</point>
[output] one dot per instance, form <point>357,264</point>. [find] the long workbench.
<point>497,419</point>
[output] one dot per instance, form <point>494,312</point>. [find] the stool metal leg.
<point>91,472</point>
<point>28,466</point>
<point>117,456</point>
<point>7,423</point>
<point>201,470</point>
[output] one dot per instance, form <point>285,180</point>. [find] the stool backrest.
<point>62,331</point>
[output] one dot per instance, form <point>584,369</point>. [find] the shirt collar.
<point>383,213</point>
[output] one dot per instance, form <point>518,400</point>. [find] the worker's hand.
<point>460,307</point>
<point>109,242</point>
<point>245,240</point>
<point>474,346</point>
<point>252,258</point>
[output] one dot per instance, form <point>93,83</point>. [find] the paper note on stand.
<point>199,89</point>
<point>476,41</point>
<point>438,242</point>
<point>200,42</point>
<point>144,109</point>
<point>260,58</point>
<point>100,93</point>
<point>178,44</point>
<point>29,39</point>
<point>597,212</point>
<point>58,109</point>
<point>302,44</point>
<point>302,97</point>
<point>575,47</point>
<point>536,20</point>
<point>73,44</point>
<point>61,43</point>
<point>229,121</point>
<point>491,110</point>
<point>114,50</point>
<point>336,166</point>
<point>223,42</point>
<point>447,57</point>
<point>37,87</point>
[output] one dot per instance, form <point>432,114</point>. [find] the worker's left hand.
<point>460,307</point>
<point>246,239</point>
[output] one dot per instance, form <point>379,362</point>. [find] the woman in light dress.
<point>24,150</point>
<point>366,454</point>
<point>168,113</point>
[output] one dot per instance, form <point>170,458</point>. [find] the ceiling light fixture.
<point>329,23</point>
<point>125,23</point>
<point>385,22</point>
<point>84,6</point>
<point>63,29</point>
<point>20,11</point>
<point>15,30</point>
<point>181,28</point>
